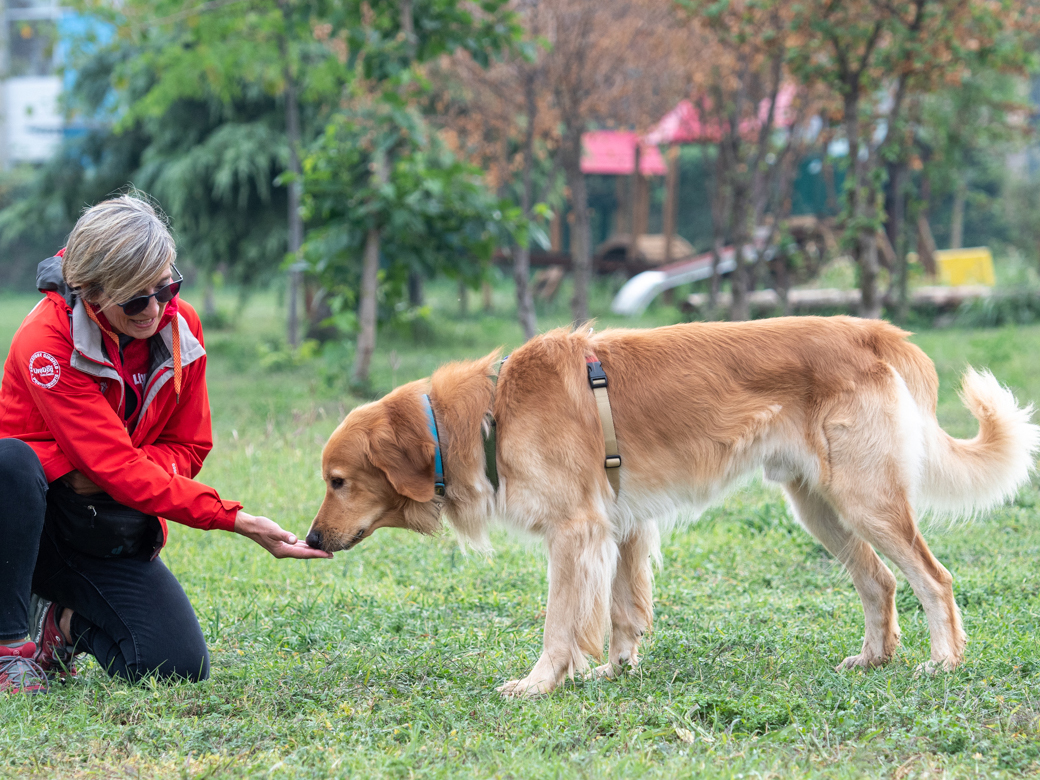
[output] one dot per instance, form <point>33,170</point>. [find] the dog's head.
<point>378,468</point>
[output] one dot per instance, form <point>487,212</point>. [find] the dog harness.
<point>598,383</point>
<point>490,435</point>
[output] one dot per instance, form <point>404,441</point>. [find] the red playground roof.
<point>684,124</point>
<point>614,152</point>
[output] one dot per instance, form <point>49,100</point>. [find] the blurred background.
<point>705,160</point>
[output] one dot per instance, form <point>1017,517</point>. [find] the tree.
<point>490,127</point>
<point>743,92</point>
<point>872,54</point>
<point>209,162</point>
<point>379,173</point>
<point>383,188</point>
<point>608,63</point>
<point>229,50</point>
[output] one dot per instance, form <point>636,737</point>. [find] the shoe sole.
<point>38,607</point>
<point>37,614</point>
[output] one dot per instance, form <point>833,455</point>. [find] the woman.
<point>104,422</point>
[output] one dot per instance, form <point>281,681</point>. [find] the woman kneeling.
<point>104,423</point>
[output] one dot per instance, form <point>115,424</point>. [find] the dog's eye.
<point>336,483</point>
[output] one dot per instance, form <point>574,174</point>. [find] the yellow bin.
<point>965,266</point>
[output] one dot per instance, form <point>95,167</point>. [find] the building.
<point>31,121</point>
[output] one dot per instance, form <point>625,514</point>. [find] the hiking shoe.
<point>53,654</point>
<point>19,673</point>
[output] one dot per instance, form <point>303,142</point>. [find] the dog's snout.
<point>314,539</point>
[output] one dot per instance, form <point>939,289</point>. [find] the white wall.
<point>34,121</point>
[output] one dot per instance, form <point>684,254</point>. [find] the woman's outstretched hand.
<point>269,535</point>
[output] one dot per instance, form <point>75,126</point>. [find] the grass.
<point>382,662</point>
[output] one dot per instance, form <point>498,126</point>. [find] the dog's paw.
<point>610,671</point>
<point>605,672</point>
<point>526,688</point>
<point>861,661</point>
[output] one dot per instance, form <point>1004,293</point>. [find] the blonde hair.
<point>117,249</point>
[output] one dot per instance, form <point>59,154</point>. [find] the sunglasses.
<point>162,295</point>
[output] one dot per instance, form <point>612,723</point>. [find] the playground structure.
<point>656,263</point>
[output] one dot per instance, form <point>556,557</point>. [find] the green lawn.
<point>383,661</point>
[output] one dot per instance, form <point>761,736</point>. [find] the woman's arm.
<point>267,533</point>
<point>91,436</point>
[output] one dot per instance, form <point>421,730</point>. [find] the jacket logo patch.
<point>44,370</point>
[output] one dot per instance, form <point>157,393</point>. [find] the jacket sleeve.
<point>92,436</point>
<point>188,437</point>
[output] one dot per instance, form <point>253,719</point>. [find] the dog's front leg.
<point>632,600</point>
<point>582,557</point>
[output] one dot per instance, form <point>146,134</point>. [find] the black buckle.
<point>612,462</point>
<point>438,488</point>
<point>597,378</point>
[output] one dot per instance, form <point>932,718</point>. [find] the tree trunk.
<point>463,297</point>
<point>635,204</point>
<point>292,130</point>
<point>870,301</point>
<point>366,342</point>
<point>897,222</point>
<point>960,195</point>
<point>718,227</point>
<point>522,256</point>
<point>415,288</point>
<point>739,280</point>
<point>581,238</point>
<point>671,187</point>
<point>862,211</point>
<point>209,301</point>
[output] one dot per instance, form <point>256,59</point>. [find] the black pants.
<point>132,615</point>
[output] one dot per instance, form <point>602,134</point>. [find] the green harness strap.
<point>490,439</point>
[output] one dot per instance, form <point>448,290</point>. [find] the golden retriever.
<point>839,411</point>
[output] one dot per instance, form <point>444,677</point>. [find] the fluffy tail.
<point>965,476</point>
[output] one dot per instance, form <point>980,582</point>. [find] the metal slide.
<point>635,296</point>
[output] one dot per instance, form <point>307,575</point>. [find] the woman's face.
<point>144,324</point>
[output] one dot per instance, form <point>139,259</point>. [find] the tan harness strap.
<point>598,383</point>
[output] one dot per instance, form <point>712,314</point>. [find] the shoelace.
<point>22,672</point>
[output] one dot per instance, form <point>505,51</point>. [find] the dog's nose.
<point>314,539</point>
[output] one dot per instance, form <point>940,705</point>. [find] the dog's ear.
<point>402,448</point>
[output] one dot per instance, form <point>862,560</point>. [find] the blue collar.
<point>438,464</point>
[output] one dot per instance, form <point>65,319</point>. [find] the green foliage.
<point>209,164</point>
<point>433,212</point>
<point>225,52</point>
<point>383,53</point>
<point>1004,307</point>
<point>279,357</point>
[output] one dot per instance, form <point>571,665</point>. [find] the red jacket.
<point>63,395</point>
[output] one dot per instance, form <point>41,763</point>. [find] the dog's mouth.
<point>355,538</point>
<point>321,541</point>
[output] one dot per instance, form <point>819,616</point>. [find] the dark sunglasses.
<point>162,295</point>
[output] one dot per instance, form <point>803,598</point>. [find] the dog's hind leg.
<point>875,583</point>
<point>631,599</point>
<point>888,523</point>
<point>582,559</point>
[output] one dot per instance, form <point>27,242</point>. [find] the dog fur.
<point>839,411</point>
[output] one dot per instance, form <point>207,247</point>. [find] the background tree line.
<point>361,147</point>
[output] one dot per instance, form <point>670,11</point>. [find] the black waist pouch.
<point>100,526</point>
